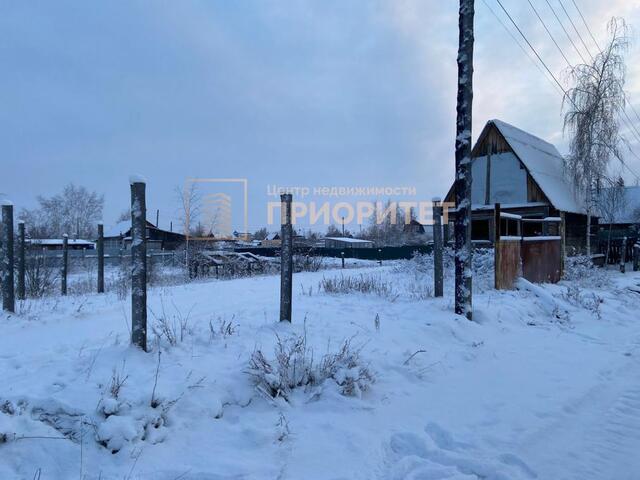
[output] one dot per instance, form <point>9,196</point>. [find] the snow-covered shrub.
<point>41,278</point>
<point>223,328</point>
<point>589,301</point>
<point>293,366</point>
<point>580,269</point>
<point>362,283</point>
<point>172,328</point>
<point>121,282</point>
<point>307,263</point>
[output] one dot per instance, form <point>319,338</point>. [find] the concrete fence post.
<point>286,257</point>
<point>22,294</point>
<point>138,263</point>
<point>636,257</point>
<point>438,268</point>
<point>623,255</point>
<point>8,294</point>
<point>100,257</point>
<point>65,264</point>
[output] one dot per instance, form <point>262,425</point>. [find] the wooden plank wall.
<point>507,263</point>
<point>541,262</point>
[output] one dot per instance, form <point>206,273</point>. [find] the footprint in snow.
<point>436,454</point>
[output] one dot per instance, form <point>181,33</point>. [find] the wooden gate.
<point>507,262</point>
<point>541,259</point>
<point>538,259</point>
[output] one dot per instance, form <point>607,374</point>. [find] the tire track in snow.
<point>598,436</point>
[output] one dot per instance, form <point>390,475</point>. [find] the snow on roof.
<point>544,163</point>
<point>272,236</point>
<point>58,241</point>
<point>348,239</point>
<point>119,229</point>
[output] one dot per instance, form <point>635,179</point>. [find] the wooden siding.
<point>507,264</point>
<point>541,260</point>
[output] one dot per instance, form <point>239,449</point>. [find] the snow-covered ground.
<point>545,383</point>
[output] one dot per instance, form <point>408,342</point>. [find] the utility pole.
<point>462,183</point>
<point>138,263</point>
<point>342,226</point>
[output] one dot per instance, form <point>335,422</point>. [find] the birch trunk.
<point>462,225</point>
<point>138,265</point>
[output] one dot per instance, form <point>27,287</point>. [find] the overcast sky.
<point>287,92</point>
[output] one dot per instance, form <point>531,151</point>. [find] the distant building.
<point>347,242</point>
<point>271,240</point>
<point>626,212</point>
<point>414,227</point>
<point>119,237</point>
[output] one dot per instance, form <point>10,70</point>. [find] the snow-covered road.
<point>544,384</point>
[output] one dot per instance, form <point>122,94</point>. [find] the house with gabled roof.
<point>525,174</point>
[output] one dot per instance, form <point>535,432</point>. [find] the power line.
<point>565,94</point>
<point>565,32</point>
<point>576,30</point>
<point>585,24</point>
<point>534,51</point>
<point>524,50</point>
<point>550,35</point>
<point>625,116</point>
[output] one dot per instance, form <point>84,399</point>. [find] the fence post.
<point>22,294</point>
<point>342,255</point>
<point>496,247</point>
<point>438,267</point>
<point>286,257</point>
<point>636,257</point>
<point>100,257</point>
<point>623,255</point>
<point>65,263</point>
<point>138,263</point>
<point>563,243</point>
<point>8,294</point>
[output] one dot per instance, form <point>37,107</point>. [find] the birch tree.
<point>592,106</point>
<point>462,183</point>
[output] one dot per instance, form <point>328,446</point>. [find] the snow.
<point>136,179</point>
<point>510,215</point>
<point>541,238</point>
<point>511,238</point>
<point>5,202</point>
<point>543,383</point>
<point>348,240</point>
<point>59,241</point>
<point>545,164</point>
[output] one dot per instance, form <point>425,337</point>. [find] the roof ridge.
<point>497,121</point>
